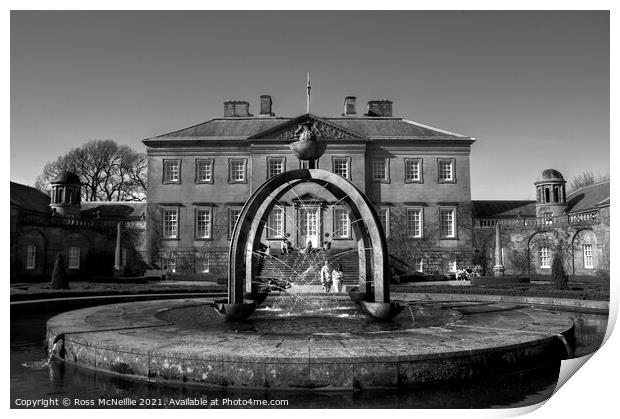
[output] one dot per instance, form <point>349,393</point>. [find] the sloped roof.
<point>588,197</point>
<point>227,127</point>
<point>29,198</point>
<point>371,127</point>
<point>504,208</point>
<point>392,127</point>
<point>96,209</point>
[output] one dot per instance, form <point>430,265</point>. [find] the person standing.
<point>284,247</point>
<point>326,278</point>
<point>337,277</point>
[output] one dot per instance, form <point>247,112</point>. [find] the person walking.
<point>326,278</point>
<point>337,277</point>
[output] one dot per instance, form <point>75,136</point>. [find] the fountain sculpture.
<point>370,239</point>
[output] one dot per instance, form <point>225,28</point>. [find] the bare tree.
<point>585,179</point>
<point>108,171</point>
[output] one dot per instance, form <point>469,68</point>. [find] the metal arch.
<point>254,213</point>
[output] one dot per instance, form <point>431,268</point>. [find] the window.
<point>203,223</point>
<point>341,167</point>
<point>413,170</point>
<point>447,226</point>
<point>342,224</point>
<point>445,168</point>
<point>419,266</point>
<point>380,170</point>
<point>384,219</point>
<point>544,257</point>
<point>172,171</point>
<point>588,260</point>
<point>275,223</point>
<point>204,171</point>
<point>31,255</point>
<point>414,222</point>
<point>169,264</point>
<point>74,257</point>
<point>171,223</point>
<point>275,166</point>
<point>236,171</point>
<point>204,264</point>
<point>233,216</point>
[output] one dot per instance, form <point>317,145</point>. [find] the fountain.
<point>370,239</point>
<point>263,336</point>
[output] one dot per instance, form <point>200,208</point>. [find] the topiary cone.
<point>558,277</point>
<point>59,275</point>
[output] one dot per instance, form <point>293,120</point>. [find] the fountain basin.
<point>150,341</point>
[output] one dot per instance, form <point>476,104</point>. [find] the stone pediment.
<point>322,130</point>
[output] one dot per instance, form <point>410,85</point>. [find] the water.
<point>32,377</point>
<point>294,317</point>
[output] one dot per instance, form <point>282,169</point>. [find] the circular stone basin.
<point>297,318</point>
<point>328,345</point>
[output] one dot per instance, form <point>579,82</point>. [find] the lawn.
<point>33,291</point>
<point>578,290</point>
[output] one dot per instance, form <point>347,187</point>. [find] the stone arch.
<point>547,237</point>
<point>589,237</point>
<point>85,244</point>
<point>371,243</point>
<point>36,237</point>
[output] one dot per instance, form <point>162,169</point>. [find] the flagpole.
<point>308,95</point>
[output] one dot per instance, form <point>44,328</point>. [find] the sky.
<point>531,87</point>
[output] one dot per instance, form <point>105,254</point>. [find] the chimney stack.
<point>236,108</point>
<point>265,106</point>
<point>379,108</point>
<point>349,106</point>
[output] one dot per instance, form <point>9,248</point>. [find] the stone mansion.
<point>417,177</point>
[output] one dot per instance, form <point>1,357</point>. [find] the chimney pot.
<point>265,106</point>
<point>381,108</point>
<point>349,106</point>
<point>236,108</point>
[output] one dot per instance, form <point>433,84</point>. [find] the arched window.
<point>556,194</point>
<point>546,195</point>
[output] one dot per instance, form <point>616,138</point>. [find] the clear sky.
<point>531,87</point>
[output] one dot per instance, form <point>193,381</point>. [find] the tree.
<point>108,171</point>
<point>558,276</point>
<point>585,179</point>
<point>59,275</point>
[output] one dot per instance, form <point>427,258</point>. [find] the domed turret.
<point>550,194</point>
<point>550,175</point>
<point>66,198</point>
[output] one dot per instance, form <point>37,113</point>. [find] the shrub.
<point>558,276</point>
<point>59,275</point>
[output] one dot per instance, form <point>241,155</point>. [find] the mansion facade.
<point>416,176</point>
